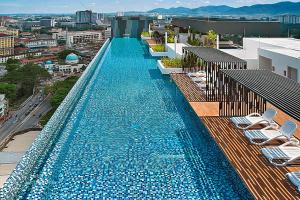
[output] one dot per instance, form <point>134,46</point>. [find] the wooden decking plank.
<point>262,179</point>
<point>188,88</point>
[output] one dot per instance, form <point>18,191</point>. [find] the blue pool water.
<point>132,135</point>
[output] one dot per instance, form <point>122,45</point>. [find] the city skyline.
<point>68,6</point>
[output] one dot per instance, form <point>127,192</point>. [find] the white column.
<point>218,44</point>
<point>166,38</point>
<point>175,43</point>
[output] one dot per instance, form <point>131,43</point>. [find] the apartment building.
<point>9,31</point>
<point>7,43</point>
<point>78,36</point>
<point>41,43</point>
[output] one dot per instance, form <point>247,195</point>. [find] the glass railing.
<point>27,169</point>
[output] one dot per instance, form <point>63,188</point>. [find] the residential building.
<point>280,55</point>
<point>27,25</point>
<point>289,19</point>
<point>3,105</point>
<point>130,26</point>
<point>9,31</point>
<point>37,60</point>
<point>84,17</point>
<point>41,43</point>
<point>7,43</point>
<point>78,36</point>
<point>67,24</point>
<point>47,22</point>
<point>4,59</point>
<point>97,18</point>
<point>107,33</point>
<point>35,27</point>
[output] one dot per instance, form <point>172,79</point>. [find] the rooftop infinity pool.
<point>132,135</point>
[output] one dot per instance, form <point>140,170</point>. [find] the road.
<point>27,116</point>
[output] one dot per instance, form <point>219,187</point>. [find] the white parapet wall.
<point>168,70</point>
<point>157,54</point>
<point>170,47</point>
<point>145,38</point>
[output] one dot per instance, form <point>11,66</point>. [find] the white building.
<point>107,33</point>
<point>67,69</point>
<point>280,55</point>
<point>3,105</point>
<point>289,19</point>
<point>78,36</point>
<point>41,43</point>
<point>4,59</point>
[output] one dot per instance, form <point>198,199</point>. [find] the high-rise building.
<point>84,17</point>
<point>97,18</point>
<point>47,22</point>
<point>7,43</point>
<point>289,19</point>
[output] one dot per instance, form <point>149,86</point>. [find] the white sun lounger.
<point>197,74</point>
<point>268,134</point>
<point>294,178</point>
<point>199,79</point>
<point>284,153</point>
<point>254,119</point>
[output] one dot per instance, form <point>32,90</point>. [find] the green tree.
<point>10,90</point>
<point>211,39</point>
<point>12,64</point>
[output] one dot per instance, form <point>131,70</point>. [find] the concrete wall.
<point>249,28</point>
<point>281,62</point>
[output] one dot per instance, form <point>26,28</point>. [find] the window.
<point>284,72</point>
<point>292,73</point>
<point>273,68</point>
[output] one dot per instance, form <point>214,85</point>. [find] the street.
<point>27,116</point>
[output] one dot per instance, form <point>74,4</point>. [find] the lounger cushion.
<point>294,178</point>
<point>240,120</point>
<point>262,134</point>
<point>281,152</point>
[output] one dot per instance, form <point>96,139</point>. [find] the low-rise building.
<point>280,55</point>
<point>41,43</point>
<point>78,36</point>
<point>70,66</point>
<point>38,60</point>
<point>3,59</point>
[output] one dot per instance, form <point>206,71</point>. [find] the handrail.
<point>30,163</point>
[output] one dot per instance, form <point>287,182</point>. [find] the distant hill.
<point>257,9</point>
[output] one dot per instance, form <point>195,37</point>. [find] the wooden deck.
<point>188,88</point>
<point>264,180</point>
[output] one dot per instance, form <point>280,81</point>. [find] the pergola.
<point>211,61</point>
<point>246,91</point>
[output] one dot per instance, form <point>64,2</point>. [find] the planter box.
<point>165,70</point>
<point>157,54</point>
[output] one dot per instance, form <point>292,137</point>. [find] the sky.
<point>70,6</point>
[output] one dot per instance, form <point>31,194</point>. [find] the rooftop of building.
<point>4,35</point>
<point>288,43</point>
<point>284,51</point>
